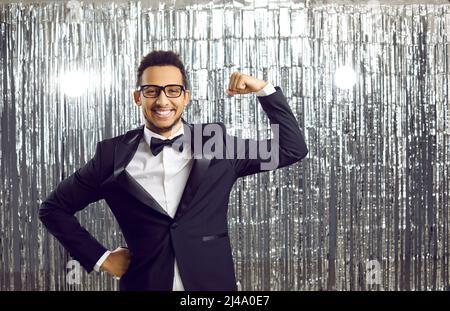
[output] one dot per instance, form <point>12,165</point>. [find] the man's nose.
<point>162,98</point>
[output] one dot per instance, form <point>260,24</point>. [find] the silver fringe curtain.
<point>371,196</point>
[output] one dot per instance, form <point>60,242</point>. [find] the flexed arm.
<point>286,147</point>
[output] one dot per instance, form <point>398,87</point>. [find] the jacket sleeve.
<point>72,195</point>
<point>287,145</point>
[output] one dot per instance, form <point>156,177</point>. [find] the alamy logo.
<point>74,14</point>
<point>373,273</point>
<point>73,277</point>
<point>215,146</point>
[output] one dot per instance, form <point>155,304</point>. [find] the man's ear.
<point>187,97</point>
<point>137,97</point>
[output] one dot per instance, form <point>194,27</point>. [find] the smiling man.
<point>170,202</point>
<point>162,110</point>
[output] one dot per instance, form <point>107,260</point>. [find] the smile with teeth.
<point>163,112</point>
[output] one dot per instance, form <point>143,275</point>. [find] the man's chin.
<point>161,127</point>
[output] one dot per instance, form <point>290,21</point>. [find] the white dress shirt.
<point>164,176</point>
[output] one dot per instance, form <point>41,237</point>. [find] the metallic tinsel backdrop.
<point>375,185</point>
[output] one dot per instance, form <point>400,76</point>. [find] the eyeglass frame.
<point>161,88</point>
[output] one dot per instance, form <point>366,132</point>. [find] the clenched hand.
<point>242,84</point>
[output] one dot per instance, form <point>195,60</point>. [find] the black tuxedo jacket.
<point>198,234</point>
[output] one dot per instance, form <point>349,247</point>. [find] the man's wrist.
<point>98,266</point>
<point>267,90</point>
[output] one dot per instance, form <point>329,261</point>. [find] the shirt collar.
<point>148,134</point>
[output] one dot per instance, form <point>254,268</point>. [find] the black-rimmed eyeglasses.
<point>153,91</point>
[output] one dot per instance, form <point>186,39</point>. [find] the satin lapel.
<point>196,176</point>
<point>126,149</point>
<point>123,154</point>
<point>135,189</point>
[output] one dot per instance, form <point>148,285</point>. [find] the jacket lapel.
<point>123,154</point>
<point>199,168</point>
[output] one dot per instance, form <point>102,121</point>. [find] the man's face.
<point>162,114</point>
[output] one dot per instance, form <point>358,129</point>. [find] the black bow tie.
<point>157,145</point>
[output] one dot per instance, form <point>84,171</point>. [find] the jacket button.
<point>174,225</point>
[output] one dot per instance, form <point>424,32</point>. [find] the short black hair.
<point>161,58</point>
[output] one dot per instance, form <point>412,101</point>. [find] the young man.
<point>168,184</point>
